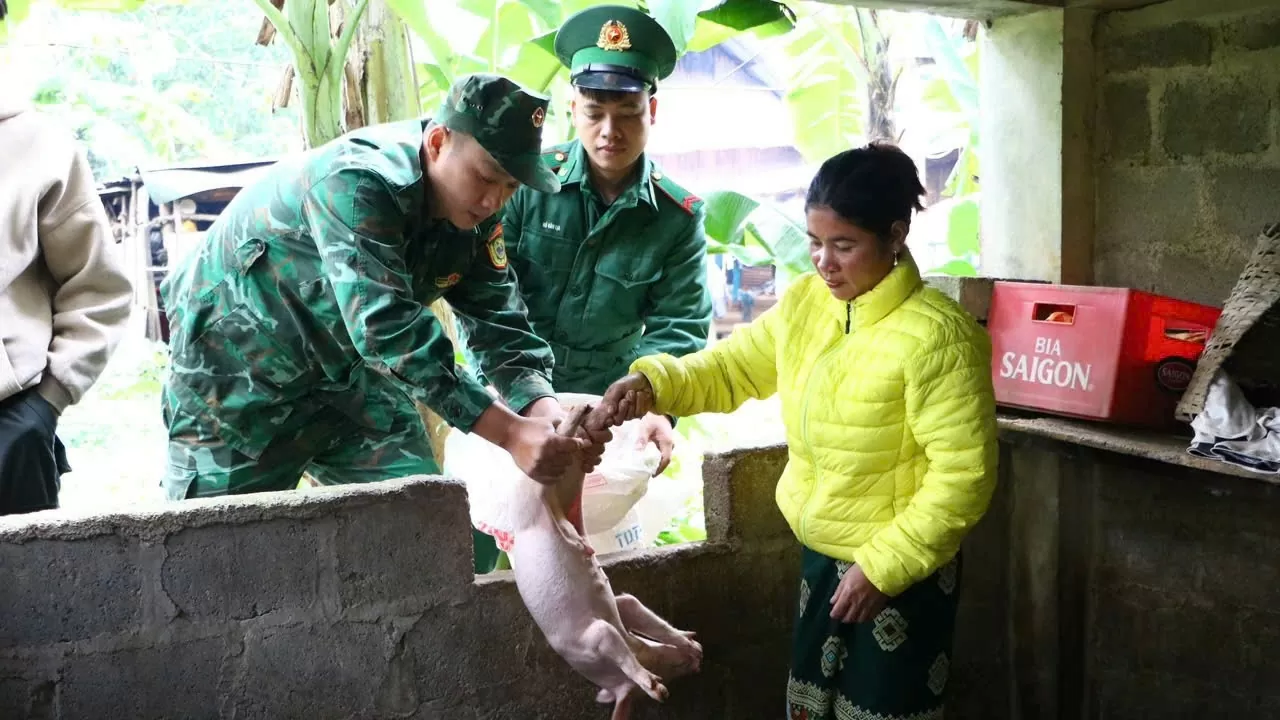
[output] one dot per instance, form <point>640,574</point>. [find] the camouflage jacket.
<point>607,285</point>
<point>322,271</point>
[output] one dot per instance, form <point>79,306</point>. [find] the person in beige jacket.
<point>64,300</point>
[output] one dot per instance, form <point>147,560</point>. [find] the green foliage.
<point>19,9</point>
<point>826,93</point>
<point>168,83</point>
<point>952,96</point>
<point>963,241</point>
<point>841,88</point>
<point>962,228</point>
<point>688,526</point>
<point>757,233</point>
<point>515,38</point>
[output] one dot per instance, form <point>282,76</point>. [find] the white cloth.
<point>1232,430</point>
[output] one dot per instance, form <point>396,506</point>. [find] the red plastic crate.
<point>1110,354</point>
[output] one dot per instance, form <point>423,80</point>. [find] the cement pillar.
<point>1036,154</point>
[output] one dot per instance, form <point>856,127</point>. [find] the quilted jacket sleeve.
<point>951,412</point>
<point>720,378</point>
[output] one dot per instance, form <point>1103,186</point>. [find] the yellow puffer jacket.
<point>889,413</point>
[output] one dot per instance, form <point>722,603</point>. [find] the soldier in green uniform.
<point>300,329</point>
<point>613,264</point>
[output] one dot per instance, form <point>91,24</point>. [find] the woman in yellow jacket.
<point>890,422</point>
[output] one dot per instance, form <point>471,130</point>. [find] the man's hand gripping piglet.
<point>614,641</point>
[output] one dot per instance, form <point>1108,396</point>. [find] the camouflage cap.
<point>614,47</point>
<point>506,120</point>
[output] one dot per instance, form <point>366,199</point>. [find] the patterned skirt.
<point>892,668</point>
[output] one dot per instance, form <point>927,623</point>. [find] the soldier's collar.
<point>576,166</point>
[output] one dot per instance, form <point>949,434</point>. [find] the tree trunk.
<point>881,82</point>
<point>387,82</point>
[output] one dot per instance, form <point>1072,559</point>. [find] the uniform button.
<point>657,176</point>
<point>564,173</point>
<point>561,157</point>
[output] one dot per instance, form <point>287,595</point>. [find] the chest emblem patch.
<point>497,248</point>
<point>448,281</point>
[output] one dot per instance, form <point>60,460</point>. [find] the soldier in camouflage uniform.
<point>300,329</point>
<point>613,264</point>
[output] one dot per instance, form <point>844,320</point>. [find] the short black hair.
<point>606,96</point>
<point>872,187</point>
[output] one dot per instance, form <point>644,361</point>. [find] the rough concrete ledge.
<point>360,602</point>
<point>156,521</point>
<point>1165,448</point>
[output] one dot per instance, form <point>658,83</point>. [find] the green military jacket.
<point>606,285</point>
<point>313,286</point>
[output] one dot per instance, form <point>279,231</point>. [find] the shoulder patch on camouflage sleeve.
<point>687,201</point>
<point>497,248</point>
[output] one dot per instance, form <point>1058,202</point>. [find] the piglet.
<point>614,641</point>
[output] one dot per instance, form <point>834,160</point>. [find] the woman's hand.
<point>856,599</point>
<point>628,398</point>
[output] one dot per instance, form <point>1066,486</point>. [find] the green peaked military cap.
<point>614,47</point>
<point>506,120</point>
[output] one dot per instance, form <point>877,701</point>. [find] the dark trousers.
<point>894,667</point>
<point>32,458</point>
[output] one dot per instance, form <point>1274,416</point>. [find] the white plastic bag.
<point>609,493</point>
<point>626,535</point>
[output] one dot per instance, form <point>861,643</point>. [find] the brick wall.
<point>1189,144</point>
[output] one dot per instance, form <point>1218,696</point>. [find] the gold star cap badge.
<point>614,36</point>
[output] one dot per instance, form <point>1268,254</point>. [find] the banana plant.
<point>757,233</point>
<point>319,59</point>
<point>842,86</point>
<point>515,38</point>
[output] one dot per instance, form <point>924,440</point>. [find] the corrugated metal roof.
<point>173,183</point>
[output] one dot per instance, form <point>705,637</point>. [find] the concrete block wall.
<point>1188,124</point>
<point>1100,585</point>
<point>359,602</point>
<point>1185,595</point>
<point>1121,587</point>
